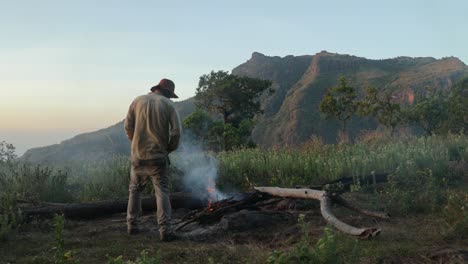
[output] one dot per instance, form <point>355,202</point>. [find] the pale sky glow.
<point>68,67</point>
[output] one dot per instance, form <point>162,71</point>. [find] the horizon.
<point>70,68</point>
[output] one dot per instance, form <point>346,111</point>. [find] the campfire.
<point>212,194</point>
<point>211,212</point>
<point>263,197</point>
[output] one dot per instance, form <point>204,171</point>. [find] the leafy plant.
<point>233,99</point>
<point>7,152</point>
<point>340,103</point>
<point>60,255</point>
<point>10,218</point>
<point>455,214</point>
<point>382,106</point>
<point>144,258</point>
<point>430,110</point>
<point>325,250</point>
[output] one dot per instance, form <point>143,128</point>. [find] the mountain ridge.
<point>290,114</point>
<point>297,118</point>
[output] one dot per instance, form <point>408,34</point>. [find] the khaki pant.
<point>138,178</point>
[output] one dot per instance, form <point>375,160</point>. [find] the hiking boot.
<point>133,231</point>
<point>167,237</point>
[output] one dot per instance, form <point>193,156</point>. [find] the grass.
<point>317,162</point>
<point>409,238</point>
<point>422,170</point>
<point>90,243</point>
<point>426,194</point>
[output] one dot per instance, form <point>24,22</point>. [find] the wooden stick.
<point>325,208</point>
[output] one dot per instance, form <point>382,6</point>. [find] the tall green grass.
<point>100,180</point>
<point>316,162</point>
<point>422,170</point>
<point>428,165</point>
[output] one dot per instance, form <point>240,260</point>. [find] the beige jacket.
<point>153,126</point>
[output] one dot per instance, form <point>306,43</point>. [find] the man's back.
<point>154,125</point>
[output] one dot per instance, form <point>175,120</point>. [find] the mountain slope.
<point>98,145</point>
<point>290,114</point>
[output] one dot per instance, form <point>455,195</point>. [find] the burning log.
<point>215,211</point>
<point>326,200</point>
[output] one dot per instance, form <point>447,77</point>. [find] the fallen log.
<point>102,208</point>
<point>325,208</point>
<point>346,182</point>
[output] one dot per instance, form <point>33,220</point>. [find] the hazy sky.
<point>68,67</point>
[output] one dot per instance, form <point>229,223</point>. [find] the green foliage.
<point>26,182</point>
<point>325,251</point>
<point>382,107</point>
<point>213,133</point>
<point>33,183</point>
<point>60,255</point>
<point>238,136</point>
<point>440,112</point>
<point>10,217</point>
<point>430,111</point>
<point>235,100</point>
<point>420,168</point>
<point>232,97</point>
<point>100,179</point>
<point>199,123</point>
<point>455,214</point>
<point>339,103</point>
<point>144,258</point>
<point>58,223</point>
<point>7,152</point>
<point>457,102</point>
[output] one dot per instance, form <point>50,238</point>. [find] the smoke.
<point>199,168</point>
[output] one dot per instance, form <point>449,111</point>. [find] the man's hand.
<point>130,136</point>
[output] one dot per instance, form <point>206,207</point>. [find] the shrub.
<point>60,255</point>
<point>455,214</point>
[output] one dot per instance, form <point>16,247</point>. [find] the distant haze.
<point>27,139</point>
<point>24,140</point>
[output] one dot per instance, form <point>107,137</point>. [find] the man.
<point>153,126</point>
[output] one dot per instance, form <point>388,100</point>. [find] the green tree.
<point>232,97</point>
<point>234,100</point>
<point>457,120</point>
<point>339,103</point>
<point>381,106</point>
<point>7,152</point>
<point>199,123</point>
<point>430,111</point>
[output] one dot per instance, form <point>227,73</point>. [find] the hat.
<point>167,85</point>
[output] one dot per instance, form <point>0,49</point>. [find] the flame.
<point>211,189</point>
<point>410,96</point>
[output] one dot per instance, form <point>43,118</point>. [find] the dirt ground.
<point>415,239</point>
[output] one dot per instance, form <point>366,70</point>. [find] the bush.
<point>455,214</point>
<point>10,218</point>
<point>33,183</point>
<point>100,180</point>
